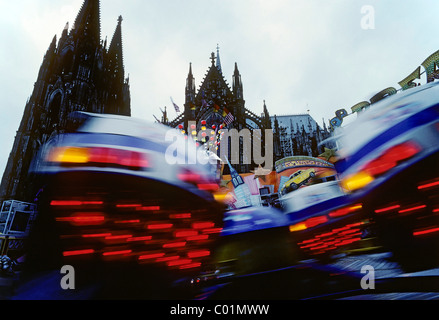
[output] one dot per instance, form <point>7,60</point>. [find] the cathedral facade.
<point>299,135</point>
<point>215,104</point>
<point>79,72</point>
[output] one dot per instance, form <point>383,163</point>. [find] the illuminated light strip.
<point>178,262</point>
<point>182,234</point>
<point>203,225</point>
<point>310,246</point>
<point>174,245</point>
<point>298,227</point>
<point>190,266</point>
<point>353,225</point>
<point>180,216</point>
<point>332,243</point>
<point>428,185</point>
<point>212,230</point>
<point>349,231</point>
<point>151,256</point>
<point>160,226</point>
<point>422,232</point>
<point>388,209</point>
<point>313,245</point>
<point>208,186</point>
<point>349,236</point>
<point>345,211</point>
<point>413,209</point>
<point>86,219</point>
<point>435,210</point>
<point>118,237</point>
<point>315,221</point>
<point>148,208</point>
<point>127,221</point>
<point>96,235</point>
<point>78,252</point>
<point>134,205</point>
<point>73,203</point>
<point>82,219</point>
<point>146,238</point>
<point>357,181</point>
<point>116,253</point>
<point>189,177</point>
<point>308,241</point>
<point>65,203</point>
<point>341,229</point>
<point>78,155</point>
<point>198,254</point>
<point>323,235</point>
<point>309,223</point>
<point>197,238</point>
<point>165,259</point>
<point>320,247</point>
<point>345,242</point>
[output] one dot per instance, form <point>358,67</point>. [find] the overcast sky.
<point>297,55</point>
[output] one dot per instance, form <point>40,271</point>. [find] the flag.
<point>216,107</point>
<point>229,119</point>
<point>177,109</point>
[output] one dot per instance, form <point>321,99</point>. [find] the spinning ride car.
<point>390,163</point>
<point>111,198</point>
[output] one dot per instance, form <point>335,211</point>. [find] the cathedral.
<point>216,104</point>
<point>79,72</point>
<point>299,135</point>
<point>82,72</point>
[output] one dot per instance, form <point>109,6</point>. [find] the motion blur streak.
<point>388,209</point>
<point>77,252</point>
<point>413,209</point>
<point>428,231</point>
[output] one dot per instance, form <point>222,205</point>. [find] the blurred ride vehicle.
<point>390,164</point>
<point>389,177</point>
<point>311,195</point>
<point>325,221</point>
<point>253,240</point>
<point>297,179</point>
<point>131,224</point>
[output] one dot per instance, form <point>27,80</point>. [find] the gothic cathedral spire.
<point>88,21</point>
<point>78,75</point>
<point>237,84</point>
<point>115,52</point>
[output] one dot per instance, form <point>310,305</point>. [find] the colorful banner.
<point>301,161</point>
<point>431,67</point>
<point>407,83</point>
<point>274,179</point>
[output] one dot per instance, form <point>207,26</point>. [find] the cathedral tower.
<point>216,105</point>
<point>78,73</point>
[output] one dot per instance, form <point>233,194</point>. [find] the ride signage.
<point>431,66</point>
<point>301,161</point>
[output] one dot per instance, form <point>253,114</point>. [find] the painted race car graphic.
<point>297,179</point>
